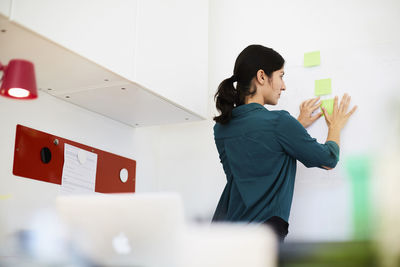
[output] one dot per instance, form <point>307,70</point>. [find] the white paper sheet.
<point>79,171</point>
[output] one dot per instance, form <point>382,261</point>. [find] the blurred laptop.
<point>141,229</point>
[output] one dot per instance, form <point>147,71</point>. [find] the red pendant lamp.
<point>18,80</point>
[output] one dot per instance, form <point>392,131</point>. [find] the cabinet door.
<point>102,31</point>
<point>172,50</point>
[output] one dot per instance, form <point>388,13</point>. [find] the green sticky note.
<point>312,59</point>
<point>359,169</point>
<point>323,87</point>
<point>328,105</point>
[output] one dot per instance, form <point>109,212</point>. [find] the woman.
<point>258,148</point>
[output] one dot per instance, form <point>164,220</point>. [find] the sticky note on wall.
<point>323,87</point>
<point>312,59</point>
<point>328,105</point>
<point>4,197</point>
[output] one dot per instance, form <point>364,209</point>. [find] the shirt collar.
<point>237,111</point>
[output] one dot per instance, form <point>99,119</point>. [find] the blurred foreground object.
<point>233,245</point>
<point>387,193</point>
<point>141,229</point>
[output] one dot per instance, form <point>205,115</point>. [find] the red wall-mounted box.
<point>28,161</point>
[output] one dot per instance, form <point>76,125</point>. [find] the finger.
<point>342,102</point>
<point>314,108</point>
<point>335,104</point>
<point>314,100</point>
<point>347,103</point>
<point>326,168</point>
<point>316,117</point>
<point>328,117</point>
<point>352,111</point>
<point>325,112</point>
<point>305,103</point>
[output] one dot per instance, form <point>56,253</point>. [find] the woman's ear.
<point>261,77</point>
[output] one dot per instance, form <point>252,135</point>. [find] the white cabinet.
<point>160,48</point>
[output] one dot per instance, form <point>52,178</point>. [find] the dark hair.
<point>249,61</point>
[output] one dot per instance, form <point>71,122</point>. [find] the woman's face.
<point>274,87</point>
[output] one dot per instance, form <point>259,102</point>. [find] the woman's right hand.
<point>339,116</point>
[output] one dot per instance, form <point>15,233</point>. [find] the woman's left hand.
<point>306,109</point>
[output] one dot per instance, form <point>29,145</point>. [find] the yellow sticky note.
<point>328,105</point>
<point>312,59</point>
<point>4,197</point>
<point>323,87</point>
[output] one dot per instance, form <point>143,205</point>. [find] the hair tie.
<point>234,78</point>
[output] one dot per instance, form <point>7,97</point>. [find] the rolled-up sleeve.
<point>296,142</point>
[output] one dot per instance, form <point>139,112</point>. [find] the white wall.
<point>359,51</point>
<point>5,7</point>
<point>188,163</point>
<point>21,198</point>
<point>171,50</point>
<point>102,31</point>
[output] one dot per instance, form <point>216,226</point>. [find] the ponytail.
<point>225,100</point>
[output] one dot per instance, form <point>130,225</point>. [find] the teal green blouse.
<point>258,150</point>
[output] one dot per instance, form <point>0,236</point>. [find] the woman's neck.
<point>254,99</point>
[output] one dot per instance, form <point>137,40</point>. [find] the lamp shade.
<point>19,80</point>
